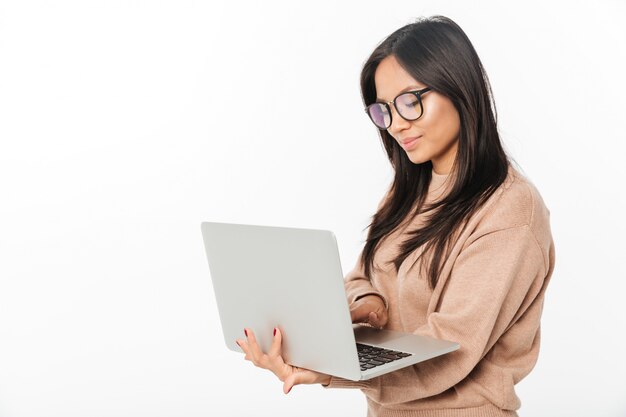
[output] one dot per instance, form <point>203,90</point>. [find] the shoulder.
<point>516,203</point>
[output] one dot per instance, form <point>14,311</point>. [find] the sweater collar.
<point>437,180</point>
<point>438,184</point>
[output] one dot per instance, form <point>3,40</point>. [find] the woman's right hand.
<point>369,309</point>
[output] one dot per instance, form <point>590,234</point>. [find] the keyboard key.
<point>372,356</point>
<point>389,356</point>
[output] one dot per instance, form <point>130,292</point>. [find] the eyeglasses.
<point>408,105</point>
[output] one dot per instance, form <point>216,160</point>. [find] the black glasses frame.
<point>416,93</point>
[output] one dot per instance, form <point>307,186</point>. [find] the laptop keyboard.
<point>372,356</point>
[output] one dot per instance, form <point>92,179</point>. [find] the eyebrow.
<point>411,87</point>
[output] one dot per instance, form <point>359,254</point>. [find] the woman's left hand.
<point>273,360</point>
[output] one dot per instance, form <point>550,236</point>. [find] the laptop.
<point>291,278</point>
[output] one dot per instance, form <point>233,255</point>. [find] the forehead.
<point>391,79</point>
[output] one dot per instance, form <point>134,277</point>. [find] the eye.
<point>407,100</point>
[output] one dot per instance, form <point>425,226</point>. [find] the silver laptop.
<point>265,277</point>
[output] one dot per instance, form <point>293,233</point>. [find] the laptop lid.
<point>265,277</point>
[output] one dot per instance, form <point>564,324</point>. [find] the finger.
<point>279,366</point>
<point>353,314</point>
<point>244,346</point>
<point>254,350</point>
<point>354,307</point>
<point>358,312</point>
<point>240,344</point>
<point>275,349</point>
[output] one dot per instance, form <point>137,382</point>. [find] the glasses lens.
<point>409,106</point>
<point>379,115</point>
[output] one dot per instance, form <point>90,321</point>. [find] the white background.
<point>124,124</point>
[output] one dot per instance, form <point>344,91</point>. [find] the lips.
<point>407,140</point>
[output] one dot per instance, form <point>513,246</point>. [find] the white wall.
<point>124,124</point>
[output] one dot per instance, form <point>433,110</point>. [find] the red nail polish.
<point>274,331</point>
<point>246,332</point>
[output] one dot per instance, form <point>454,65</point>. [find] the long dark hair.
<point>436,52</point>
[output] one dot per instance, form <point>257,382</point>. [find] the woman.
<point>459,249</point>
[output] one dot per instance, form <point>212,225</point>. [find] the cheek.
<point>442,123</point>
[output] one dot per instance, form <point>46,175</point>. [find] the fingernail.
<point>237,341</point>
<point>289,390</point>
<point>274,331</point>
<point>246,332</point>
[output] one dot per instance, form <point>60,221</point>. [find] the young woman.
<point>460,247</point>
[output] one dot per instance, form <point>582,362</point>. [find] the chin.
<point>416,159</point>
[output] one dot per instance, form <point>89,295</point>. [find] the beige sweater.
<point>489,299</point>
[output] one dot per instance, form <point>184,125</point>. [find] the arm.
<point>485,294</point>
<point>357,285</point>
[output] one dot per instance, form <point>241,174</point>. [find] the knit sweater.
<point>488,298</point>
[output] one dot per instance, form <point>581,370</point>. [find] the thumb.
<point>374,320</point>
<point>299,376</point>
<point>290,382</point>
<point>378,320</point>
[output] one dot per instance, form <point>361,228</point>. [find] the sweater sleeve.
<point>357,285</point>
<point>488,283</point>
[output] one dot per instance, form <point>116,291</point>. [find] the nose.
<point>397,122</point>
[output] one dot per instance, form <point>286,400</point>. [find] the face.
<point>437,129</point>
